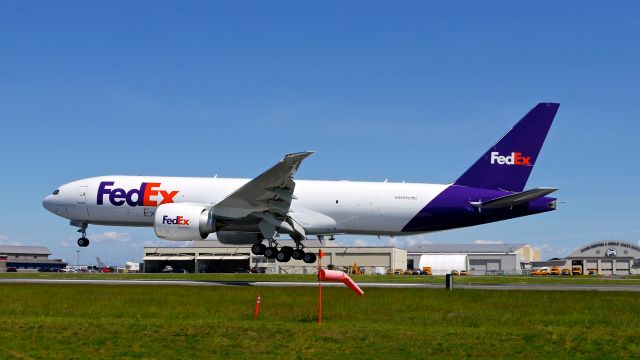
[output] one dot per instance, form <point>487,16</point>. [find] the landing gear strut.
<point>268,231</point>
<point>83,241</point>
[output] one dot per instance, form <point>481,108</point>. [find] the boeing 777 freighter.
<point>244,211</point>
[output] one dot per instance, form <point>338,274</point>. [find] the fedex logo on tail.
<point>516,158</point>
<point>149,194</point>
<point>179,220</point>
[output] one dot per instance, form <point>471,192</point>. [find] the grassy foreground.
<point>98,321</point>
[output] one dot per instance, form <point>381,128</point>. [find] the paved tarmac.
<point>540,287</point>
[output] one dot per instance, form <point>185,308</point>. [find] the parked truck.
<point>576,270</point>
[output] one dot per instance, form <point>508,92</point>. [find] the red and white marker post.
<point>331,275</point>
<point>256,311</point>
<point>320,256</point>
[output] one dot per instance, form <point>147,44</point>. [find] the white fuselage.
<point>324,206</point>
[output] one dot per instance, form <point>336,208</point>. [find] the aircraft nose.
<point>49,204</point>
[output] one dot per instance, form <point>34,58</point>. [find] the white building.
<point>213,256</point>
<point>477,259</point>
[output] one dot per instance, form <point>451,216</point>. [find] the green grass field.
<point>112,321</point>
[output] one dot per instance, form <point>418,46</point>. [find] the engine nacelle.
<point>183,222</point>
<point>238,238</point>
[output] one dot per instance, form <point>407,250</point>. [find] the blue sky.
<point>411,91</point>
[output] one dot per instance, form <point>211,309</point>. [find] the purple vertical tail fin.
<point>507,164</point>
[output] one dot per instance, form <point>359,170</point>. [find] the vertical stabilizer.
<point>507,164</point>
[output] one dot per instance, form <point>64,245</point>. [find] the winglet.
<point>508,164</point>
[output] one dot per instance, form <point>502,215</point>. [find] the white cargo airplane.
<point>243,211</point>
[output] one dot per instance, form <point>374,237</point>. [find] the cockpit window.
<point>56,192</point>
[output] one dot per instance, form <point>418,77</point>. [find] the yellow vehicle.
<point>555,270</point>
<point>455,272</point>
<point>408,272</point>
<point>540,272</point>
<point>566,271</point>
<point>463,273</point>
<point>426,270</point>
<point>355,269</point>
<point>576,270</point>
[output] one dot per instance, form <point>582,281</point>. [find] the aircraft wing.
<point>271,191</point>
<point>514,199</point>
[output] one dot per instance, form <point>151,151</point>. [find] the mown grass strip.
<point>98,321</point>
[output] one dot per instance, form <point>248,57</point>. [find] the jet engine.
<point>183,222</point>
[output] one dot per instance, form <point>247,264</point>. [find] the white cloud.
<point>484,242</point>
<point>111,236</point>
<point>544,248</point>
<point>361,242</point>
<point>64,244</point>
<point>4,240</point>
<point>408,241</point>
<point>549,251</point>
<point>155,243</point>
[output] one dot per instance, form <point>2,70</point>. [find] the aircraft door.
<point>82,195</point>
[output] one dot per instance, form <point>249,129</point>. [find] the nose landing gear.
<point>83,241</point>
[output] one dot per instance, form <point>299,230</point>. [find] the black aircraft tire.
<point>287,249</point>
<point>309,258</point>
<point>297,254</point>
<point>258,249</point>
<point>270,252</point>
<point>283,256</point>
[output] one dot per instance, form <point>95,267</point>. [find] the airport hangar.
<point>478,259</point>
<point>213,256</point>
<point>28,257</point>
<point>607,257</point>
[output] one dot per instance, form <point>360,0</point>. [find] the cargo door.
<point>493,265</point>
<point>606,267</point>
<point>478,265</point>
<point>622,268</point>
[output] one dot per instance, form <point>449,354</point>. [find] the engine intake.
<point>183,222</point>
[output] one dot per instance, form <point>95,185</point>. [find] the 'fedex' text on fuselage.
<point>148,194</point>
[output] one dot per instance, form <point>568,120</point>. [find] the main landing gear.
<point>285,253</point>
<point>83,241</point>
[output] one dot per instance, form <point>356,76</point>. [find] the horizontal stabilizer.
<point>513,199</point>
